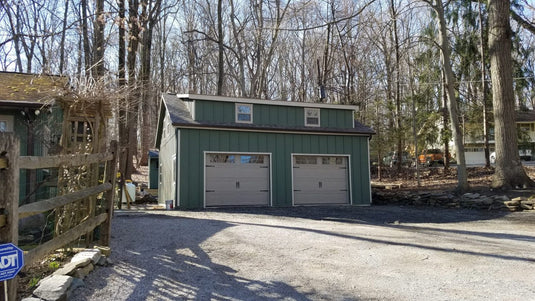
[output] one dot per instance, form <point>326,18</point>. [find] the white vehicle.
<point>525,155</point>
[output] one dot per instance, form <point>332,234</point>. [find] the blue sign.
<point>11,261</point>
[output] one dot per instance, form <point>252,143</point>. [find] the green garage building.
<point>225,151</point>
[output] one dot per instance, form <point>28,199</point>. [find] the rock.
<point>106,251</point>
<point>486,200</point>
<point>54,288</point>
<point>82,272</point>
<point>471,195</point>
<point>103,261</point>
<point>526,206</point>
<point>76,283</point>
<point>31,299</point>
<point>502,198</point>
<point>93,254</point>
<point>512,203</point>
<point>519,199</point>
<point>70,267</point>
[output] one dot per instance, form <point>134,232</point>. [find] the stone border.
<point>448,200</point>
<point>59,285</point>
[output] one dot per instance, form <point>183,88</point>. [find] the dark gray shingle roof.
<point>181,117</point>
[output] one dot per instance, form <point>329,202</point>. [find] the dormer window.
<point>244,113</point>
<point>312,117</point>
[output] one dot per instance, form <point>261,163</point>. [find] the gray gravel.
<point>318,253</point>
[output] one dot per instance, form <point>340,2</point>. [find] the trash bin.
<point>169,204</point>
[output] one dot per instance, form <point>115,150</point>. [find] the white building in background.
<point>474,146</point>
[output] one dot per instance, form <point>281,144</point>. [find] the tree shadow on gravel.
<point>161,257</point>
<point>375,215</point>
<point>391,242</point>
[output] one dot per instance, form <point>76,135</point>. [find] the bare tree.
<point>443,41</point>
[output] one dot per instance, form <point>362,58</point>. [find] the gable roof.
<point>180,116</point>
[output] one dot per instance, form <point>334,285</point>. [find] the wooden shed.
<point>50,117</point>
<point>224,151</point>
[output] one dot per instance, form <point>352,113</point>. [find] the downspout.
<point>177,169</point>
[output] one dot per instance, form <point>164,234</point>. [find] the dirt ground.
<point>318,253</point>
<point>479,178</point>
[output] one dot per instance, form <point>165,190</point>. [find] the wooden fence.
<point>10,212</point>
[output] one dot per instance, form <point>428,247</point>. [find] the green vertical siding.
<point>195,142</point>
<point>287,116</point>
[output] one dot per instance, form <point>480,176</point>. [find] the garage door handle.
<point>320,184</point>
<point>210,190</point>
<point>210,165</point>
<point>297,189</point>
<point>264,166</point>
<point>264,190</point>
<point>237,184</point>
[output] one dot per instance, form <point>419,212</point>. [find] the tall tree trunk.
<point>62,42</point>
<point>14,24</point>
<point>398,86</point>
<point>509,171</point>
<point>122,124</point>
<point>462,176</point>
<point>446,132</point>
<point>98,44</point>
<point>133,89</point>
<point>85,37</point>
<point>484,88</point>
<point>239,51</point>
<point>220,48</point>
<point>148,106</point>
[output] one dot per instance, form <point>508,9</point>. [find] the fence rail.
<point>10,164</point>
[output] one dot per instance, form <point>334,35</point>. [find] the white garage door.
<point>237,179</point>
<point>320,180</point>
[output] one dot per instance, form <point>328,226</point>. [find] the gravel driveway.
<point>318,253</point>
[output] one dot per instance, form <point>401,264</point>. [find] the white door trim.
<point>348,156</point>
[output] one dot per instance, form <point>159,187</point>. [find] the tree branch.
<point>523,22</point>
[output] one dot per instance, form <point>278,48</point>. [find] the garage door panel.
<point>242,179</point>
<point>320,180</point>
<point>230,198</point>
<point>316,198</point>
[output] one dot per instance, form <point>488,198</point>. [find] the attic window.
<point>3,126</point>
<point>244,113</point>
<point>312,117</point>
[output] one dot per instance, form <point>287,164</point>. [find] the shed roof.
<point>25,89</point>
<point>181,117</point>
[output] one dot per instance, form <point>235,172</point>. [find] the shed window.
<point>6,123</point>
<point>306,160</point>
<point>3,126</point>
<point>244,113</point>
<point>312,117</point>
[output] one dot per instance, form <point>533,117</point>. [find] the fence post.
<point>9,198</point>
<point>111,175</point>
